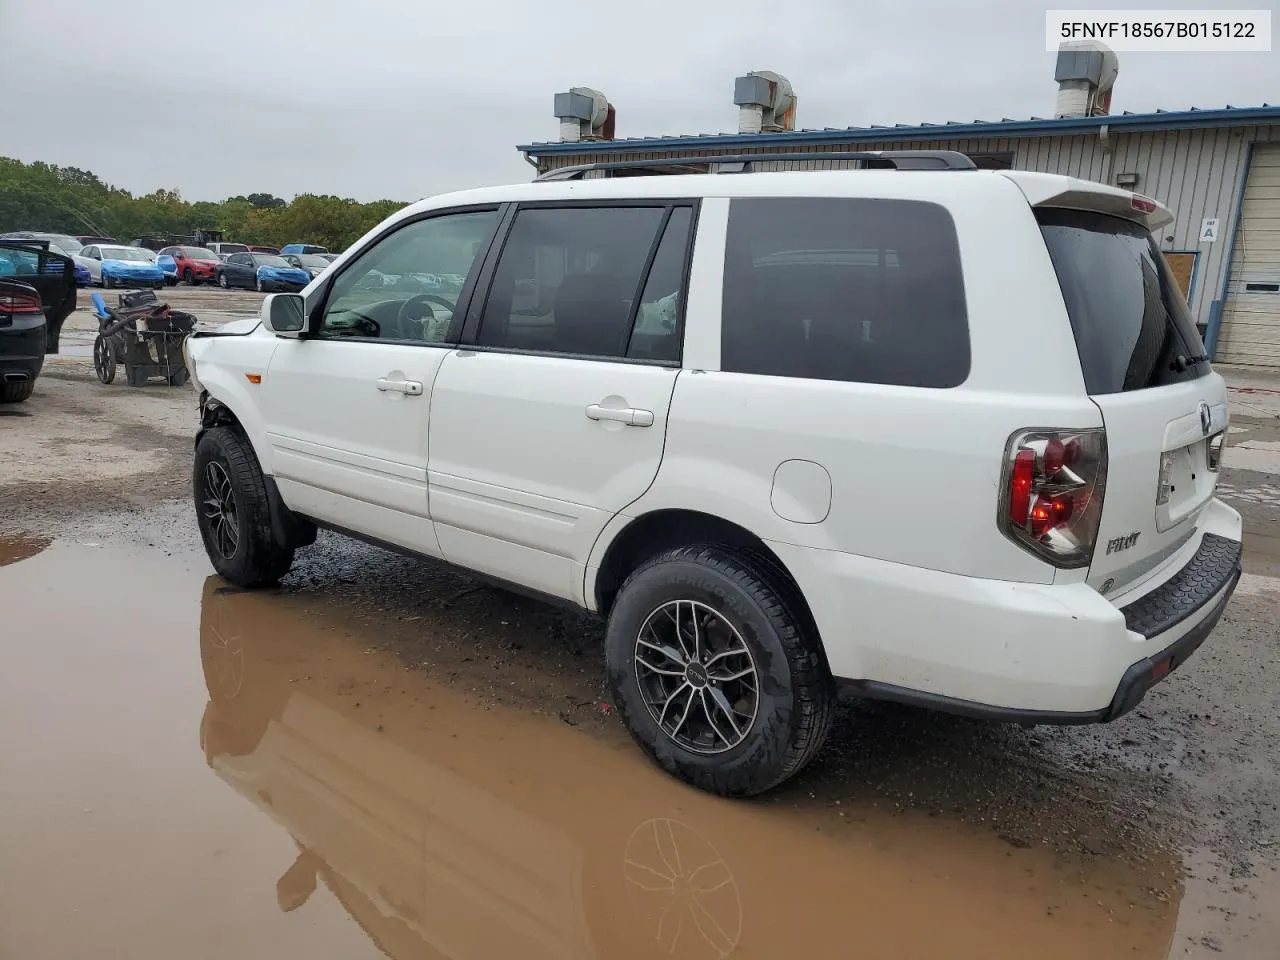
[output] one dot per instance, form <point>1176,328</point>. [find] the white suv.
<point>943,436</point>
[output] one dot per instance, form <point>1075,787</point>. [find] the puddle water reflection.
<point>448,829</point>
<point>20,547</point>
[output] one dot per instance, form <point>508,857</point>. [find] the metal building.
<point>1218,170</point>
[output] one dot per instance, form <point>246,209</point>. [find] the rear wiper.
<point>1181,364</point>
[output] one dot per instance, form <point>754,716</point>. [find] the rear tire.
<point>16,392</point>
<point>771,724</point>
<point>233,512</point>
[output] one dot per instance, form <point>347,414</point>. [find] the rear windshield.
<point>1132,326</point>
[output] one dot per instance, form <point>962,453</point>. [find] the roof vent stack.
<point>584,114</point>
<point>1085,72</point>
<point>766,102</point>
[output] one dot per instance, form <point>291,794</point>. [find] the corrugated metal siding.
<point>1195,172</point>
<point>1251,318</point>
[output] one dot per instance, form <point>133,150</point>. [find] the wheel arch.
<point>660,530</point>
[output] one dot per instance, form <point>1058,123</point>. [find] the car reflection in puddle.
<point>450,829</point>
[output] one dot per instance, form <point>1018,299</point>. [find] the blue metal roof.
<point>1034,127</point>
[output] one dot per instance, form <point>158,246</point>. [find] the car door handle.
<point>412,388</point>
<point>631,416</point>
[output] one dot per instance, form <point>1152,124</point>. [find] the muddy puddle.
<point>192,771</point>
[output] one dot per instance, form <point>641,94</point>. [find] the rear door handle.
<point>631,416</point>
<point>412,388</point>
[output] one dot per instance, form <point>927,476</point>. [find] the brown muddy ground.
<point>384,757</point>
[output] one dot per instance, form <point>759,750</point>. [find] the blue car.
<point>120,266</point>
<point>83,276</point>
<point>297,248</point>
<point>169,267</point>
<point>260,271</point>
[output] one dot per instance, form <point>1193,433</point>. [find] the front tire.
<point>188,277</point>
<point>709,634</point>
<point>233,512</point>
<point>107,282</point>
<point>222,281</point>
<point>258,285</point>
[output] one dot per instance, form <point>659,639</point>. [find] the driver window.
<point>406,286</point>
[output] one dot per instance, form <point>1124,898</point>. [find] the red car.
<point>195,264</point>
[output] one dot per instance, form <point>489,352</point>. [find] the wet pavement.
<point>338,769</point>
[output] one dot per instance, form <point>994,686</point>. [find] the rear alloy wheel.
<point>233,512</point>
<point>222,280</point>
<point>717,671</point>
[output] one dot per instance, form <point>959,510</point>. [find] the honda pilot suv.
<point>934,434</point>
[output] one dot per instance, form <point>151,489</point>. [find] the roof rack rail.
<point>744,163</point>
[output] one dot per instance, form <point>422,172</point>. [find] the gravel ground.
<point>1183,791</point>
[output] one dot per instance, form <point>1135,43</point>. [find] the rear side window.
<point>870,291</point>
<point>1132,326</point>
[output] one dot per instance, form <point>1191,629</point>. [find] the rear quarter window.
<point>1132,327</point>
<point>862,290</point>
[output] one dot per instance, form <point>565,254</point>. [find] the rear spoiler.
<point>1043,190</point>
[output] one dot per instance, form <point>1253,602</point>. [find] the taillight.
<point>12,303</point>
<point>1051,497</point>
<point>1145,204</point>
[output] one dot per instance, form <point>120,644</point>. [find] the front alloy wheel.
<point>697,677</point>
<point>220,510</point>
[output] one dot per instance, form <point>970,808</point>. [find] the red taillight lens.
<point>1052,494</point>
<point>12,303</point>
<point>1145,204</point>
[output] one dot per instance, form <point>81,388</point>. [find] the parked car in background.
<point>262,272</point>
<point>51,275</point>
<point>169,267</point>
<point>224,249</point>
<point>23,339</point>
<point>120,266</point>
<point>302,248</point>
<point>195,264</point>
<point>88,240</point>
<point>313,263</point>
<point>256,248</point>
<point>58,243</point>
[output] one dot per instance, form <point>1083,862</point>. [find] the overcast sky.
<point>403,99</point>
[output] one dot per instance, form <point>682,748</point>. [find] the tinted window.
<point>426,262</point>
<point>568,279</point>
<point>1132,326</point>
<point>844,289</point>
<point>655,335</point>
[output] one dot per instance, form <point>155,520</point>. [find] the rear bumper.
<point>1033,653</point>
<point>22,352</point>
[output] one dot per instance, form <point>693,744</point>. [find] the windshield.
<point>232,248</point>
<point>267,260</point>
<point>198,253</point>
<point>1132,326</point>
<point>127,253</point>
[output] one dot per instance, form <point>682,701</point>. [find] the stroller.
<point>144,335</point>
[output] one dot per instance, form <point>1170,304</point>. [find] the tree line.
<point>41,196</point>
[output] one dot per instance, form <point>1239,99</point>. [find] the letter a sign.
<point>1209,230</point>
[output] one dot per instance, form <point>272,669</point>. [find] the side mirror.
<point>284,314</point>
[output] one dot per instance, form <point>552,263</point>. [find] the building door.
<point>1251,316</point>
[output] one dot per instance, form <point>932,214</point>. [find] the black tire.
<point>178,377</point>
<point>107,282</point>
<point>170,281</point>
<point>16,392</point>
<point>258,285</point>
<point>796,695</point>
<point>254,559</point>
<point>188,277</point>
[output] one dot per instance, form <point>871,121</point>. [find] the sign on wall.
<point>1209,230</point>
